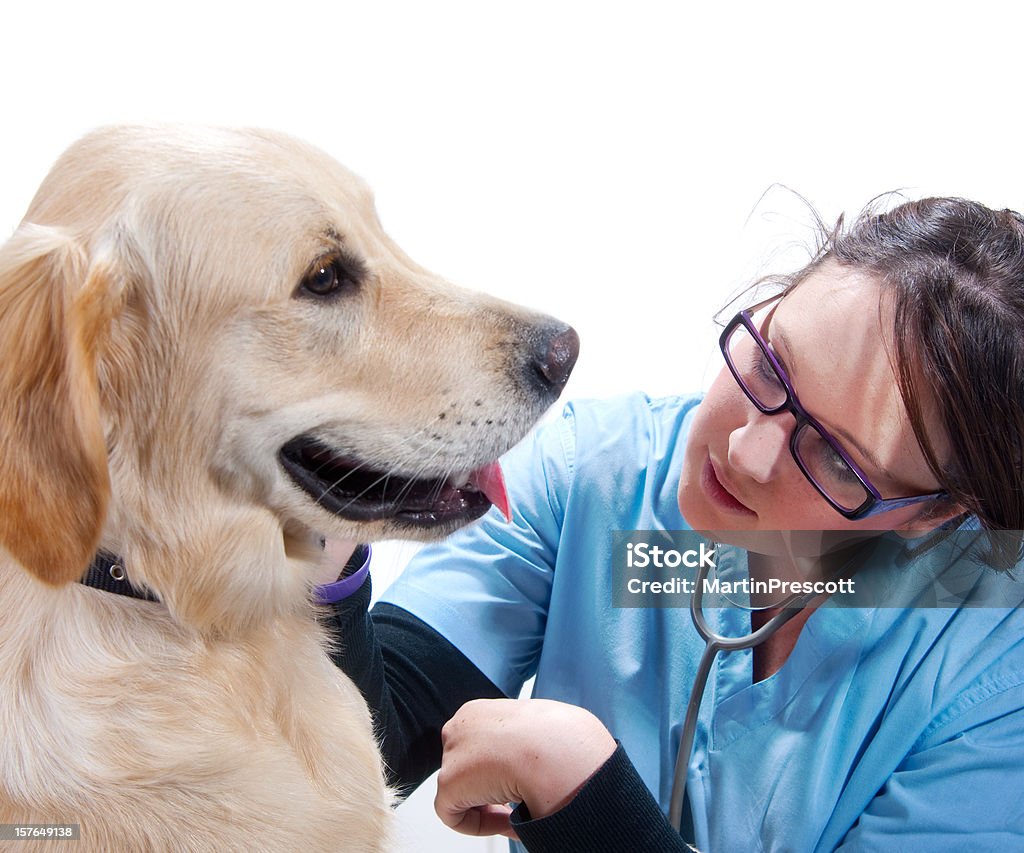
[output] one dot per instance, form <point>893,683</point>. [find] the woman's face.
<point>832,340</point>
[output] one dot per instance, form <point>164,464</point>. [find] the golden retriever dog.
<point>211,356</point>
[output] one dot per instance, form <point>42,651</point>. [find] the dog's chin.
<point>356,492</point>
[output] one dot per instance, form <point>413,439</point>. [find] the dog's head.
<point>207,331</point>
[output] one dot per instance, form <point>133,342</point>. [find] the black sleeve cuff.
<point>412,678</point>
<point>611,813</point>
<point>349,613</point>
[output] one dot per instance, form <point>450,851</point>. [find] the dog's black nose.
<point>555,358</point>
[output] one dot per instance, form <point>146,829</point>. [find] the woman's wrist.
<point>588,745</point>
<point>613,811</point>
<point>536,751</point>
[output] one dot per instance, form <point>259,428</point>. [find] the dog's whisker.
<point>331,486</point>
<point>435,491</point>
<point>410,482</point>
<point>409,439</point>
<point>412,437</point>
<point>419,472</point>
<point>404,491</point>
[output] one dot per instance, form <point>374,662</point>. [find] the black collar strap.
<point>107,573</point>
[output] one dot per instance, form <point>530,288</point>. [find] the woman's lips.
<point>719,494</point>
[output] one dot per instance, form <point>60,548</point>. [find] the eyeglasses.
<point>819,456</point>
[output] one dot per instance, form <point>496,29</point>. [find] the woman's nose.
<point>760,446</point>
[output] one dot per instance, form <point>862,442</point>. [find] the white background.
<point>604,162</point>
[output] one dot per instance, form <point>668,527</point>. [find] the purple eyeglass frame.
<point>874,503</point>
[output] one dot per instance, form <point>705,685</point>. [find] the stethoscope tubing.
<point>713,644</point>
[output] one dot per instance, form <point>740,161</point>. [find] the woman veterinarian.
<point>891,367</point>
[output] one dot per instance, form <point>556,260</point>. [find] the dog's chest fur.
<point>195,744</point>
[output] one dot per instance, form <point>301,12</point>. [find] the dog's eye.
<point>332,274</point>
<point>323,279</point>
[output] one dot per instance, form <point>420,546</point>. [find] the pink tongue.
<point>491,482</point>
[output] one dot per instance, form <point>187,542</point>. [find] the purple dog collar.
<point>353,575</point>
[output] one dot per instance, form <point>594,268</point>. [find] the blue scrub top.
<point>886,728</point>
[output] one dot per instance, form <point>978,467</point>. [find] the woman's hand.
<point>533,751</point>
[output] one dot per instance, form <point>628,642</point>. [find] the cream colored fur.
<point>154,357</point>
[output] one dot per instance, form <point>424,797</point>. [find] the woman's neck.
<point>770,655</point>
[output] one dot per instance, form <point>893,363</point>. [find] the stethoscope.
<point>715,643</point>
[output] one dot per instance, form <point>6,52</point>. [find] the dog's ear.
<point>54,482</point>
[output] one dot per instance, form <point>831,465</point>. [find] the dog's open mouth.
<point>353,490</point>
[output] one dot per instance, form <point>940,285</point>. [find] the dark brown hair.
<point>954,270</point>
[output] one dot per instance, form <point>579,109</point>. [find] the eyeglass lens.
<point>817,457</point>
